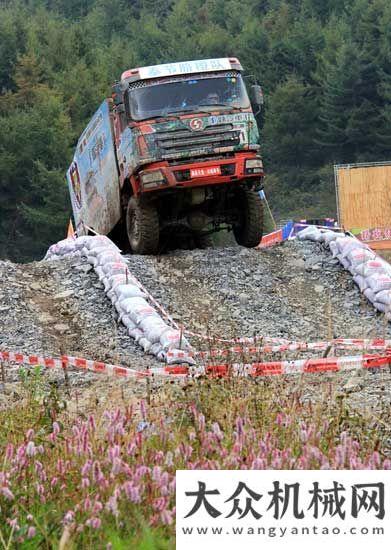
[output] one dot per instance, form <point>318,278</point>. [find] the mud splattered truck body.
<point>174,153</point>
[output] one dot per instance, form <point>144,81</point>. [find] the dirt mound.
<point>294,291</point>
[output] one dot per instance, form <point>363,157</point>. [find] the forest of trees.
<point>325,67</point>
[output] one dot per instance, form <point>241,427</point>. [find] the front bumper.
<point>230,169</point>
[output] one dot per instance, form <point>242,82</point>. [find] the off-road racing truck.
<point>174,154</point>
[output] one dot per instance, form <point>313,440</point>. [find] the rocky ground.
<point>295,291</point>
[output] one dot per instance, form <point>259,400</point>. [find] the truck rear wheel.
<point>142,226</point>
<point>248,232</point>
<point>203,241</point>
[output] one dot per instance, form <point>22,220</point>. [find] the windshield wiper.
<point>154,117</point>
<point>219,105</point>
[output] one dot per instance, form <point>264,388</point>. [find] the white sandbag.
<point>107,257</point>
<point>51,257</point>
<point>334,248</point>
<point>379,282</point>
<point>357,256</point>
<point>93,255</point>
<point>368,268</point>
<point>344,261</point>
<point>173,339</point>
<point>83,241</point>
<point>330,236</point>
<point>384,297</point>
<point>383,308</point>
<point>138,309</point>
<point>370,295</point>
<point>100,241</point>
<point>153,327</point>
<point>155,349</point>
<point>136,333</point>
<point>145,344</point>
<point>310,233</point>
<point>116,269</point>
<point>361,282</point>
<point>179,358</point>
<point>127,322</point>
<point>128,291</point>
<point>66,246</point>
<point>120,311</point>
<point>128,304</point>
<point>114,281</point>
<point>100,273</point>
<point>346,244</point>
<point>301,235</point>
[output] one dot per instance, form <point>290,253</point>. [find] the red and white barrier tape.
<point>68,361</point>
<point>339,343</point>
<point>300,366</point>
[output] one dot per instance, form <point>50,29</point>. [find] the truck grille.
<point>186,140</point>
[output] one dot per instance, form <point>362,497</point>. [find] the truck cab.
<point>186,148</point>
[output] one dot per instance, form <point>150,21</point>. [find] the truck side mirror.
<point>257,94</point>
<point>117,94</point>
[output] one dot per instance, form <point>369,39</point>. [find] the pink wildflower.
<point>7,493</point>
<point>85,482</point>
<point>56,428</point>
<point>31,532</point>
<point>95,523</point>
<point>69,517</point>
<point>132,492</point>
<point>14,524</point>
<point>30,449</point>
<point>91,422</point>
<point>169,459</point>
<point>159,504</point>
<point>9,451</point>
<point>53,482</point>
<point>98,507</point>
<point>167,517</point>
<point>117,466</point>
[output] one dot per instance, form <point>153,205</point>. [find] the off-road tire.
<point>203,241</point>
<point>248,232</point>
<point>142,226</point>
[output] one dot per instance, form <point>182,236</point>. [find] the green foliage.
<point>324,66</point>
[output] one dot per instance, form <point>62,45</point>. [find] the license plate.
<point>203,172</point>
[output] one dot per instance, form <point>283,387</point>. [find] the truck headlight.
<point>254,166</point>
<point>152,179</point>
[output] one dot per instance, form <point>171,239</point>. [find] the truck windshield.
<point>191,94</point>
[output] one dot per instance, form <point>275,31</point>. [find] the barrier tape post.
<point>2,375</point>
<point>65,371</point>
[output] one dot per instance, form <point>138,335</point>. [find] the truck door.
<point>93,176</point>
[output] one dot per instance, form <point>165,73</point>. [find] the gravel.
<point>295,291</point>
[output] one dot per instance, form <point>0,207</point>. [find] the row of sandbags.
<point>141,319</point>
<point>371,273</point>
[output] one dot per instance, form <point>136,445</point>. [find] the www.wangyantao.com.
<point>282,532</point>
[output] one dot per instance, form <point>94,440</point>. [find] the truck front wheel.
<point>249,229</point>
<point>142,225</point>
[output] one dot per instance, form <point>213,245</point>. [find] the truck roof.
<point>181,67</point>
